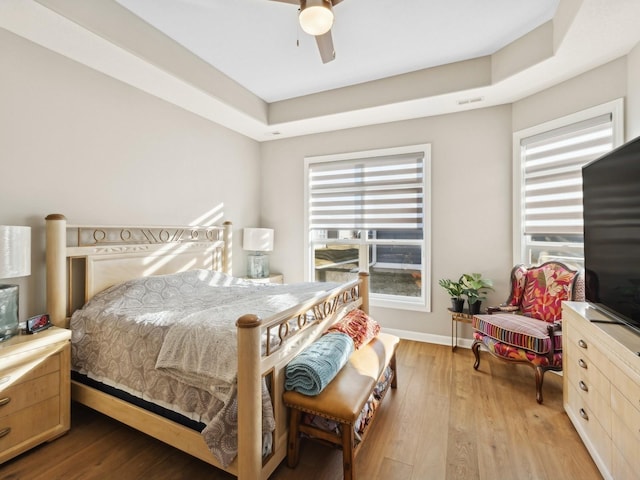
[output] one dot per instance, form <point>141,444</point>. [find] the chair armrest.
<point>552,328</point>
<point>503,308</point>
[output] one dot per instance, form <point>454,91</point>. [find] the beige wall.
<point>594,87</point>
<point>471,179</point>
<point>633,94</point>
<point>77,142</point>
<point>471,182</point>
<point>80,143</point>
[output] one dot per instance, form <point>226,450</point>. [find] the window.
<point>548,182</point>
<point>368,211</point>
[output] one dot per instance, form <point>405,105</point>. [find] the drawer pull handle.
<point>582,344</point>
<point>583,386</point>
<point>4,401</point>
<point>583,364</point>
<point>5,431</point>
<point>584,415</point>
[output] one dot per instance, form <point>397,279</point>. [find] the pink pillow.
<point>546,288</point>
<point>359,326</point>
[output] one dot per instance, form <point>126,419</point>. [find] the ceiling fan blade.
<point>297,2</point>
<point>325,45</point>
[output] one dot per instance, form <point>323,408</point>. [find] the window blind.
<point>377,193</point>
<point>552,174</point>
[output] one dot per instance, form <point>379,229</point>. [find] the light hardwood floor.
<point>445,421</point>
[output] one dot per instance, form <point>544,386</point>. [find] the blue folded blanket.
<point>318,364</point>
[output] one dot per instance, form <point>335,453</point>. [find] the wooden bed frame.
<point>83,260</point>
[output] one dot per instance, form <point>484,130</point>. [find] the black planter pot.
<point>457,304</point>
<point>474,308</point>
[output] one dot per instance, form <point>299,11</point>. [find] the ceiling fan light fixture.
<point>316,16</point>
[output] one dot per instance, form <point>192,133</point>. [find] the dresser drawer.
<point>627,411</point>
<point>597,439</point>
<point>620,468</point>
<point>626,441</point>
<point>27,424</point>
<point>598,407</point>
<point>28,369</point>
<point>585,346</point>
<point>28,393</point>
<point>579,367</point>
<point>12,359</point>
<point>584,364</point>
<point>628,384</point>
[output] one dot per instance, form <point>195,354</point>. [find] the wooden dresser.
<point>34,390</point>
<point>602,388</point>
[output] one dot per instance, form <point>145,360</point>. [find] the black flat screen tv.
<point>611,201</point>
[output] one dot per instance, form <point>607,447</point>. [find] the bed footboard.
<point>313,318</point>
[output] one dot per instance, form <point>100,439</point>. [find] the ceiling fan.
<point>316,18</point>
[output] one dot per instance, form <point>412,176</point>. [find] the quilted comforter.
<point>171,340</point>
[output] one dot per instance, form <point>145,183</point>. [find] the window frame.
<point>422,303</point>
<point>521,246</point>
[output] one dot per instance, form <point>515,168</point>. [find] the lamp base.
<point>257,265</point>
<point>8,311</point>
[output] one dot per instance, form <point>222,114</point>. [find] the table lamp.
<point>15,261</point>
<point>258,241</point>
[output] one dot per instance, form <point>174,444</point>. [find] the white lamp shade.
<point>316,16</point>
<point>258,239</point>
<point>15,251</point>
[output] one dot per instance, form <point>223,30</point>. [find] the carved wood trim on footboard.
<point>312,318</point>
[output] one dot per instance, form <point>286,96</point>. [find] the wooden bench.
<point>343,400</point>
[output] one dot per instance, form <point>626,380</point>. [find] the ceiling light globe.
<point>316,17</point>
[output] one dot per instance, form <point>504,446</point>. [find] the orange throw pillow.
<point>359,326</point>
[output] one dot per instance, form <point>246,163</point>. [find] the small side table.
<point>464,317</point>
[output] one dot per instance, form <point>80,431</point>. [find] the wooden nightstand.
<point>273,278</point>
<point>35,394</point>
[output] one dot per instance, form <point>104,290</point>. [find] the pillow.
<point>518,281</point>
<point>359,326</point>
<point>546,288</point>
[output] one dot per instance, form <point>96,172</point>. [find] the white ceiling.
<point>255,41</point>
<point>237,63</point>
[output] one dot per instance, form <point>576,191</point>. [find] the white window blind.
<point>552,169</point>
<point>378,193</point>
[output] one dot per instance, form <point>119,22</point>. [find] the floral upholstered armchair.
<point>528,327</point>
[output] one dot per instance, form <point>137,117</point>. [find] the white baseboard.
<point>428,337</point>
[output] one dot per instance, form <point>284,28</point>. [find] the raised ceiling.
<point>235,62</point>
<point>258,42</point>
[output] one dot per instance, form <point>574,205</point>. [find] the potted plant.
<point>455,291</point>
<point>474,288</point>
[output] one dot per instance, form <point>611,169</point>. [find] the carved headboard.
<point>83,260</point>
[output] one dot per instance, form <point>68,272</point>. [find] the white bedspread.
<point>201,348</point>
